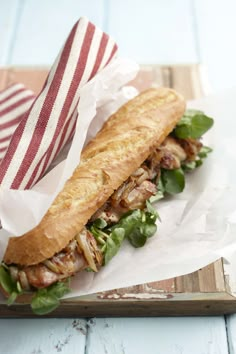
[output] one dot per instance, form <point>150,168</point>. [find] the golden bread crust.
<point>124,142</point>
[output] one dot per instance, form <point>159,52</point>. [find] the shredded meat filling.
<point>63,265</point>
<point>139,187</point>
<point>191,148</point>
<point>169,155</point>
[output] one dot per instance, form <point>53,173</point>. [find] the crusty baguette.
<point>124,142</point>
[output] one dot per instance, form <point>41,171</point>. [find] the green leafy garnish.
<point>151,211</point>
<point>109,240</point>
<point>6,281</point>
<point>47,299</point>
<point>139,225</point>
<point>193,124</point>
<point>113,244</point>
<point>173,180</point>
<point>12,298</point>
<point>12,288</point>
<point>191,165</point>
<point>43,303</point>
<point>138,237</point>
<point>136,225</point>
<point>205,150</point>
<point>90,270</point>
<point>44,300</point>
<point>130,221</point>
<point>100,223</point>
<point>160,192</point>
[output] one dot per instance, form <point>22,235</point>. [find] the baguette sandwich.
<point>129,163</point>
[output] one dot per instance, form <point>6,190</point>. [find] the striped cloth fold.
<point>50,122</point>
<point>15,101</point>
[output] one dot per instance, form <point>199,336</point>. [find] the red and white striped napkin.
<point>86,82</point>
<point>41,127</point>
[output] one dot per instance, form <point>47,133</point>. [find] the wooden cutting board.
<point>205,292</point>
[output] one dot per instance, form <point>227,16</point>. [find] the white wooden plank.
<point>216,36</point>
<point>44,26</point>
<point>157,335</point>
<point>39,336</point>
<point>231,330</point>
<point>8,16</point>
<point>154,31</point>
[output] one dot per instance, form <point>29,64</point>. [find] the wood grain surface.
<point>172,336</point>
<point>201,335</point>
<point>200,293</point>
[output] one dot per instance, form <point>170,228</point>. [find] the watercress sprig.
<point>136,225</point>
<point>193,124</point>
<point>191,165</point>
<point>12,288</point>
<point>48,299</point>
<point>139,225</point>
<point>173,180</point>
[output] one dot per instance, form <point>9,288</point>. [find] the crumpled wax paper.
<point>197,226</point>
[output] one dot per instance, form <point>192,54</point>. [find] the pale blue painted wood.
<point>198,335</point>
<point>231,330</point>
<point>216,28</point>
<point>44,26</point>
<point>161,31</point>
<point>42,336</point>
<point>8,16</point>
<point>154,31</point>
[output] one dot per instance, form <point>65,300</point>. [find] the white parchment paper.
<point>198,226</point>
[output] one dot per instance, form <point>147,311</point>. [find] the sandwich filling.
<point>86,249</point>
<point>128,213</point>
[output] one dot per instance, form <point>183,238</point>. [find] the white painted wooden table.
<point>149,31</point>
